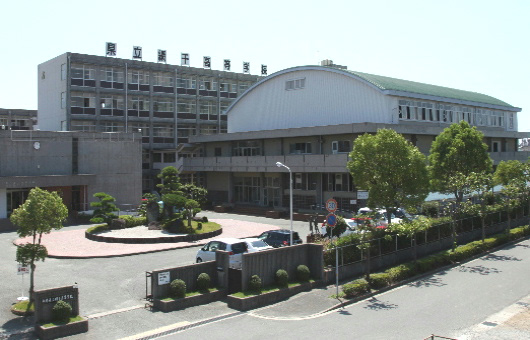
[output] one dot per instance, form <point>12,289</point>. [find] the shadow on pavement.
<point>493,257</point>
<point>429,282</point>
<point>23,325</point>
<point>479,270</point>
<point>375,304</point>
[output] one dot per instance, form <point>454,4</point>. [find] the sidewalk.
<point>74,244</point>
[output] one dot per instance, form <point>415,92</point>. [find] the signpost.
<point>331,220</point>
<point>22,270</point>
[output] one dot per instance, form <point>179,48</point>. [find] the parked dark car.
<point>279,238</point>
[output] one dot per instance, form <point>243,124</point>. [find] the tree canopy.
<point>456,153</point>
<point>391,169</point>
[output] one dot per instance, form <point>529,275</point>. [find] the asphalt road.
<point>449,303</point>
<point>105,284</point>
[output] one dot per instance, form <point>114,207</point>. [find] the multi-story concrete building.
<point>17,119</point>
<point>308,118</point>
<point>76,164</point>
<point>165,103</point>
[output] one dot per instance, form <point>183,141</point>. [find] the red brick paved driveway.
<point>73,244</point>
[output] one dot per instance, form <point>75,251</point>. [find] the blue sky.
<point>481,46</point>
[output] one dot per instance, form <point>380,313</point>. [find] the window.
<point>138,103</point>
<point>63,100</point>
<point>510,121</point>
<point>83,72</point>
<point>224,108</point>
<point>208,84</point>
<point>305,181</point>
<point>295,84</point>
<point>163,130</point>
<point>82,99</point>
<point>111,127</point>
<point>63,71</point>
<point>208,130</point>
<point>247,189</point>
<point>112,75</point>
<point>83,125</point>
<point>186,82</point>
<point>138,77</point>
<point>247,148</point>
<point>337,182</point>
<point>340,146</point>
<point>163,105</point>
<point>163,79</point>
<point>243,87</point>
<point>300,148</point>
<point>143,128</point>
<point>208,110</point>
<point>218,152</point>
<point>111,105</point>
<point>164,157</point>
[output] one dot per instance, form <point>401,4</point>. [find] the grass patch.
<point>97,229</point>
<point>193,293</point>
<point>72,319</point>
<point>206,227</point>
<point>22,307</point>
<point>267,289</point>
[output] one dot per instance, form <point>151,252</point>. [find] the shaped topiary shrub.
<point>61,311</point>
<point>401,272</point>
<point>203,282</point>
<point>281,278</point>
<point>302,273</point>
<point>177,289</point>
<point>255,283</point>
<point>204,219</point>
<point>355,288</point>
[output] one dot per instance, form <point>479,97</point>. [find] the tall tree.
<point>391,169</point>
<point>456,153</point>
<point>41,212</point>
<point>513,176</point>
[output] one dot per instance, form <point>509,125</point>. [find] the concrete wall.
<point>266,263</point>
<point>50,87</point>
<point>328,98</point>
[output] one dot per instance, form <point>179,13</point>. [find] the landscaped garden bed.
<point>251,299</point>
<point>54,330</point>
<point>191,299</point>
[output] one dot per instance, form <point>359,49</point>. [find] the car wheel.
<point>199,260</point>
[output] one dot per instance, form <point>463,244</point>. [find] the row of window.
<point>116,75</point>
<point>141,103</point>
<point>254,148</point>
<point>434,112</point>
<point>158,129</point>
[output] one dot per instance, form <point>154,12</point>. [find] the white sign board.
<point>21,270</point>
<point>163,278</point>
<point>353,201</point>
<point>362,195</point>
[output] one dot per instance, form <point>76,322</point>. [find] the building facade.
<point>73,163</point>
<point>165,103</point>
<point>308,119</point>
<point>17,119</point>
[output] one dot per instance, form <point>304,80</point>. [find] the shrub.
<point>203,281</point>
<point>199,226</point>
<point>401,272</point>
<point>255,283</point>
<point>430,209</point>
<point>281,278</point>
<point>177,288</point>
<point>302,273</point>
<point>204,219</point>
<point>97,220</point>
<point>61,311</point>
<point>355,288</point>
<point>379,280</point>
<point>97,229</point>
<point>432,262</point>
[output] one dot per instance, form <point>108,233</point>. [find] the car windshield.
<point>258,244</point>
<point>238,248</point>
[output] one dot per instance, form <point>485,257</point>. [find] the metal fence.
<point>466,229</point>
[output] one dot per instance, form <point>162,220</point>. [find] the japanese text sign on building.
<point>163,278</point>
<point>111,49</point>
<point>226,64</point>
<point>263,70</point>
<point>246,67</point>
<point>137,52</point>
<point>162,54</point>
<point>207,62</point>
<point>185,59</point>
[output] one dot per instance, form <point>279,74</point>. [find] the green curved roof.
<point>393,84</point>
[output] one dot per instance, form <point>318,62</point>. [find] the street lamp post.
<point>278,164</point>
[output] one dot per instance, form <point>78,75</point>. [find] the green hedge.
<point>98,229</point>
<point>407,270</point>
